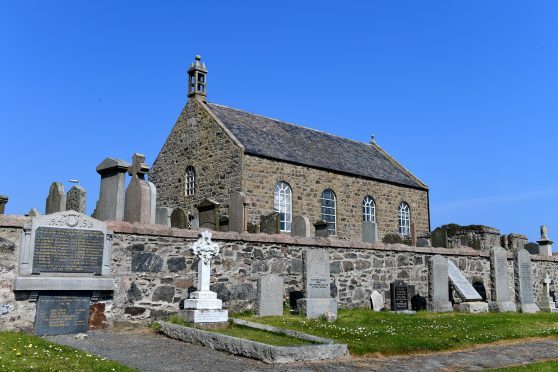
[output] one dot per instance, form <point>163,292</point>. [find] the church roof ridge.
<point>290,123</point>
<point>276,139</point>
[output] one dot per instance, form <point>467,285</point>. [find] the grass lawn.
<point>20,351</point>
<point>366,331</point>
<point>534,367</point>
<point>248,333</point>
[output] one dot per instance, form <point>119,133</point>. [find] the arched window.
<point>368,209</point>
<point>190,180</point>
<point>328,211</point>
<point>283,205</point>
<point>404,217</point>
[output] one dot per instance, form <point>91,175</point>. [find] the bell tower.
<point>197,76</point>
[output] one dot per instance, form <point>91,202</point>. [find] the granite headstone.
<point>438,291</point>
<point>499,276</point>
<point>369,232</point>
<point>270,295</point>
<point>524,282</point>
<point>76,199</point>
<point>110,206</point>
<point>56,200</point>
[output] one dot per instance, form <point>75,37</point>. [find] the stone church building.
<point>214,150</point>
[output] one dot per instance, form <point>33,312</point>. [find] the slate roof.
<point>271,138</point>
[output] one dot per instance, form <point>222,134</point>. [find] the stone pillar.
<point>56,200</point>
<point>3,202</point>
<point>545,244</point>
<point>111,197</point>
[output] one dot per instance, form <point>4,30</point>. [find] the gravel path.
<point>141,348</point>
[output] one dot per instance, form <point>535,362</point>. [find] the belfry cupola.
<point>197,77</point>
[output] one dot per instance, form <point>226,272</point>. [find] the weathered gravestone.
<point>62,253</point>
<point>203,306</point>
<point>438,292</point>
<point>76,199</point>
<point>163,216</point>
<point>270,224</point>
<point>138,205</point>
<point>270,295</point>
<point>377,301</point>
<point>179,218</point>
<point>237,212</point>
<point>110,206</point>
<point>320,229</point>
<point>369,232</point>
<point>56,200</point>
<point>301,226</point>
<point>3,202</point>
<point>208,214</point>
<point>316,278</point>
<point>399,293</point>
<point>472,300</point>
<point>439,238</point>
<point>499,276</point>
<point>524,282</point>
<point>547,303</point>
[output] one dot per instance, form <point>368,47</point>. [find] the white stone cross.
<point>204,249</point>
<point>547,282</point>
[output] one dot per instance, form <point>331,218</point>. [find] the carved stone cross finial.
<point>204,248</point>
<point>138,168</point>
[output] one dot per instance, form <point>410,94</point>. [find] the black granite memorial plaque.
<point>399,296</point>
<point>68,250</point>
<point>62,312</point>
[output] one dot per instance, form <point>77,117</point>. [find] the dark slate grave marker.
<point>68,250</point>
<point>294,296</point>
<point>418,302</point>
<point>62,312</point>
<point>479,287</point>
<point>399,296</point>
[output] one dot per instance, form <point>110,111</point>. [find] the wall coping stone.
<point>136,228</point>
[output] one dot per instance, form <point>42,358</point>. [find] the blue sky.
<point>464,94</point>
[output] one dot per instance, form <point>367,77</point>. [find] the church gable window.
<point>328,211</point>
<point>368,209</point>
<point>283,205</point>
<point>190,181</point>
<point>404,217</point>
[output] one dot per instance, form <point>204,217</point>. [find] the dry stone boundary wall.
<point>154,269</point>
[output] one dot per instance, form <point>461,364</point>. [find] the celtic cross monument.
<point>203,306</point>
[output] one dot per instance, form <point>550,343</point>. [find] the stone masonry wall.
<point>196,140</point>
<point>153,268</point>
<point>261,175</point>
